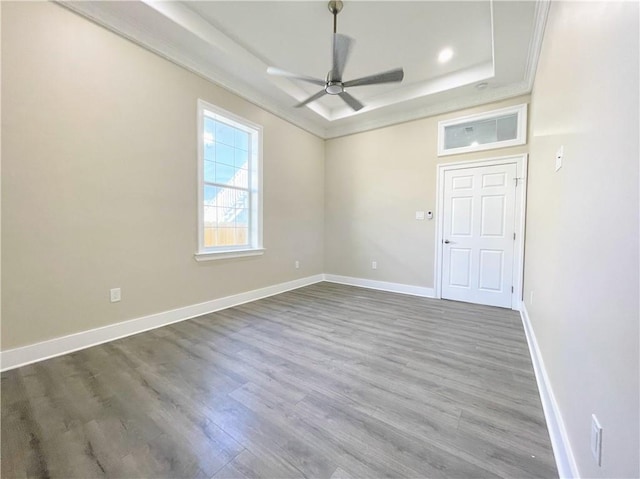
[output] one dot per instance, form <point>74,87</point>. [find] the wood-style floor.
<point>327,381</point>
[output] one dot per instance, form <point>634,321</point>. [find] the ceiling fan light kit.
<point>333,84</point>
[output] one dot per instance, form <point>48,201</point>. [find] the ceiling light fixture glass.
<point>445,55</point>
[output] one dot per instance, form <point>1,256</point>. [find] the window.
<point>493,129</point>
<point>229,186</point>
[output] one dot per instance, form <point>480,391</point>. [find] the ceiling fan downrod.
<point>334,84</point>
<point>335,7</point>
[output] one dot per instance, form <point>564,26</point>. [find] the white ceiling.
<point>232,43</point>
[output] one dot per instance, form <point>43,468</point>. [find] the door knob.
<point>446,241</point>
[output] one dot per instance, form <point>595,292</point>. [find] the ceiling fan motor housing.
<point>334,88</point>
<point>333,85</point>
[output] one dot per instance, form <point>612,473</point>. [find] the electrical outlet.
<point>374,265</point>
<point>297,264</point>
<point>596,440</point>
<point>115,294</point>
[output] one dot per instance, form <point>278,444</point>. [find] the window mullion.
<point>224,185</point>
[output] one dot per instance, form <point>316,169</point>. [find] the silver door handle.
<point>446,241</point>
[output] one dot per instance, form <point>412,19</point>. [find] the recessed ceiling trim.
<point>112,16</point>
<point>493,36</point>
<point>474,74</point>
<point>179,34</point>
<point>195,24</point>
<point>462,102</point>
<point>232,51</point>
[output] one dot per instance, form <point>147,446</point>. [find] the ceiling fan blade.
<point>282,73</point>
<point>342,45</point>
<point>321,93</point>
<point>394,75</point>
<point>352,102</point>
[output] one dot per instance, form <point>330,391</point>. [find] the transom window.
<point>483,131</point>
<point>229,184</point>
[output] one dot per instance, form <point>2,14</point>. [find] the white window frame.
<point>255,246</point>
<point>520,139</point>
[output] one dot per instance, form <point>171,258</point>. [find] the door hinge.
<point>514,236</point>
<point>512,289</point>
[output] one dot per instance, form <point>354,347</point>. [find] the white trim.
<point>184,34</point>
<point>184,53</point>
<point>22,356</point>
<point>520,208</point>
<point>215,255</point>
<point>535,45</point>
<point>13,358</point>
<point>520,139</point>
<point>565,461</point>
<point>381,285</point>
<point>206,109</point>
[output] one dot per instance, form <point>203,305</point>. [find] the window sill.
<point>238,253</point>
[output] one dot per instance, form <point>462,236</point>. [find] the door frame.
<point>519,210</point>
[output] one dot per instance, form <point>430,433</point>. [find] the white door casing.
<point>480,231</point>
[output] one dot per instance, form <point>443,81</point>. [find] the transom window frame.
<point>255,131</point>
<point>521,130</point>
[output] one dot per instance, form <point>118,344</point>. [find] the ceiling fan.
<point>333,85</point>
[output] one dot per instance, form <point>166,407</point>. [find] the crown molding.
<point>464,101</point>
<point>175,32</point>
<point>108,15</point>
<point>535,45</point>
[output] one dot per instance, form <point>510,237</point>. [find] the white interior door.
<point>478,234</point>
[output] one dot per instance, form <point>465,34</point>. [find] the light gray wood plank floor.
<point>327,381</point>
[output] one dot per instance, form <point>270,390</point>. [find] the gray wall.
<point>582,226</point>
<point>99,182</point>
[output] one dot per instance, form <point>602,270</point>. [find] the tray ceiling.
<point>232,42</point>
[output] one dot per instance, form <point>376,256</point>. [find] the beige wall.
<point>374,183</point>
<point>99,191</point>
<point>582,226</point>
<point>99,182</point>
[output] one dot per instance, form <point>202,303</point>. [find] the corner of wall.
<point>565,461</point>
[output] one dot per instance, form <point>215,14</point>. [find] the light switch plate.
<point>596,440</point>
<point>419,215</point>
<point>559,157</point>
<point>115,295</point>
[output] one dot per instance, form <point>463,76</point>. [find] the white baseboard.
<point>13,358</point>
<point>381,285</point>
<point>567,467</point>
